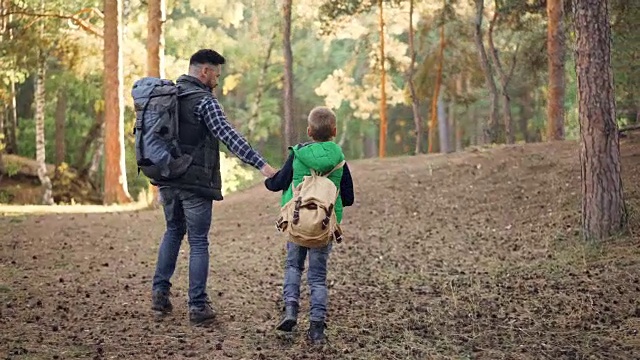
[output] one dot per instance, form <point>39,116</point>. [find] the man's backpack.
<point>309,218</point>
<point>156,130</point>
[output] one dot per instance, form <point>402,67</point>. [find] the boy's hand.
<point>268,171</point>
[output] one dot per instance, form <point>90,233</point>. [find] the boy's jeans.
<point>316,277</point>
<point>185,212</point>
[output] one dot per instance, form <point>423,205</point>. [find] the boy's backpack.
<point>309,217</point>
<point>158,153</point>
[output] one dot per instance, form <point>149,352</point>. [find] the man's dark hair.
<point>206,56</point>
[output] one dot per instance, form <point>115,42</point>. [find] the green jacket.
<point>322,157</point>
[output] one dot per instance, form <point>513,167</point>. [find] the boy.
<point>322,155</point>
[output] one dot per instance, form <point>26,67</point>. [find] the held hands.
<point>268,171</point>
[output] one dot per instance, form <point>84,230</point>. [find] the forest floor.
<point>473,255</point>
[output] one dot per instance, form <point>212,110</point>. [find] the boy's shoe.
<point>316,332</point>
<point>161,303</point>
<point>289,317</point>
<point>201,315</point>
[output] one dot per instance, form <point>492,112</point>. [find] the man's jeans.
<point>185,212</point>
<point>316,277</point>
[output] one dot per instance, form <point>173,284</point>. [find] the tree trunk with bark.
<point>12,123</point>
<point>98,153</point>
<point>556,55</point>
<point>47,188</point>
<point>260,89</point>
<point>61,119</point>
<point>457,123</point>
<point>415,101</point>
<point>369,146</point>
<point>3,110</point>
<point>115,176</point>
<point>290,137</point>
<point>436,91</point>
<point>443,125</point>
<point>603,209</point>
<point>490,130</point>
<point>47,196</point>
<point>155,55</point>
<point>155,38</point>
<point>3,145</point>
<point>504,78</point>
<point>526,113</point>
<point>382,151</point>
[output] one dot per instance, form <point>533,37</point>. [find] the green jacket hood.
<point>321,156</point>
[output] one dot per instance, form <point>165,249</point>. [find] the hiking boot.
<point>201,315</point>
<point>316,332</point>
<point>161,303</point>
<point>289,317</point>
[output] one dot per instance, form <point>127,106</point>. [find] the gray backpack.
<point>158,153</point>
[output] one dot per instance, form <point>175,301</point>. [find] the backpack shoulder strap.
<point>340,164</point>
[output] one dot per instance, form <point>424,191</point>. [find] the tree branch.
<point>73,18</point>
<point>629,128</point>
<point>513,64</point>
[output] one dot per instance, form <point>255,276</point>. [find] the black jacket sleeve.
<point>283,178</point>
<point>346,187</point>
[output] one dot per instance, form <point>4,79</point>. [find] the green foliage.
<point>336,63</point>
<point>11,168</point>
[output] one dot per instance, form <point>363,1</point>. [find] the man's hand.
<point>268,171</point>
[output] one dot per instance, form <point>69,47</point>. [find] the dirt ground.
<point>474,255</point>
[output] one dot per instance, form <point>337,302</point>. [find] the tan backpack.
<point>309,218</point>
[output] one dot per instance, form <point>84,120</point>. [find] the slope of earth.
<point>469,255</point>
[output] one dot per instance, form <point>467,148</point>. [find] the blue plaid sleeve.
<point>211,113</point>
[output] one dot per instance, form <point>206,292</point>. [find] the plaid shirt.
<point>211,113</point>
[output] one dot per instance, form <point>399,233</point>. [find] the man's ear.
<point>308,131</point>
<point>334,131</point>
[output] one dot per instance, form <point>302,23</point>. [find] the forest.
<point>492,145</point>
<point>404,77</point>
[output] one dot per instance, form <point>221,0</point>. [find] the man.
<point>188,200</point>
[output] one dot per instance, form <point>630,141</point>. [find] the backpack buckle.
<point>325,222</point>
<point>338,236</point>
<point>296,211</point>
<point>281,224</point>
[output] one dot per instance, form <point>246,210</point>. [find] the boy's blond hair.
<point>321,123</point>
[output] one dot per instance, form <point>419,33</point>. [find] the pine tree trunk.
<point>289,124</point>
<point>155,55</point>
<point>155,38</point>
<point>436,92</point>
<point>382,150</point>
<point>61,118</point>
<point>98,152</point>
<point>3,110</point>
<point>458,126</point>
<point>478,124</point>
<point>12,125</point>
<point>2,140</point>
<point>504,78</point>
<point>603,209</point>
<point>415,101</point>
<point>92,136</point>
<point>115,176</point>
<point>491,129</point>
<point>368,146</point>
<point>526,113</point>
<point>443,126</point>
<point>556,55</point>
<point>47,197</point>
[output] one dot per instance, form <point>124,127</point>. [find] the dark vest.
<point>203,175</point>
